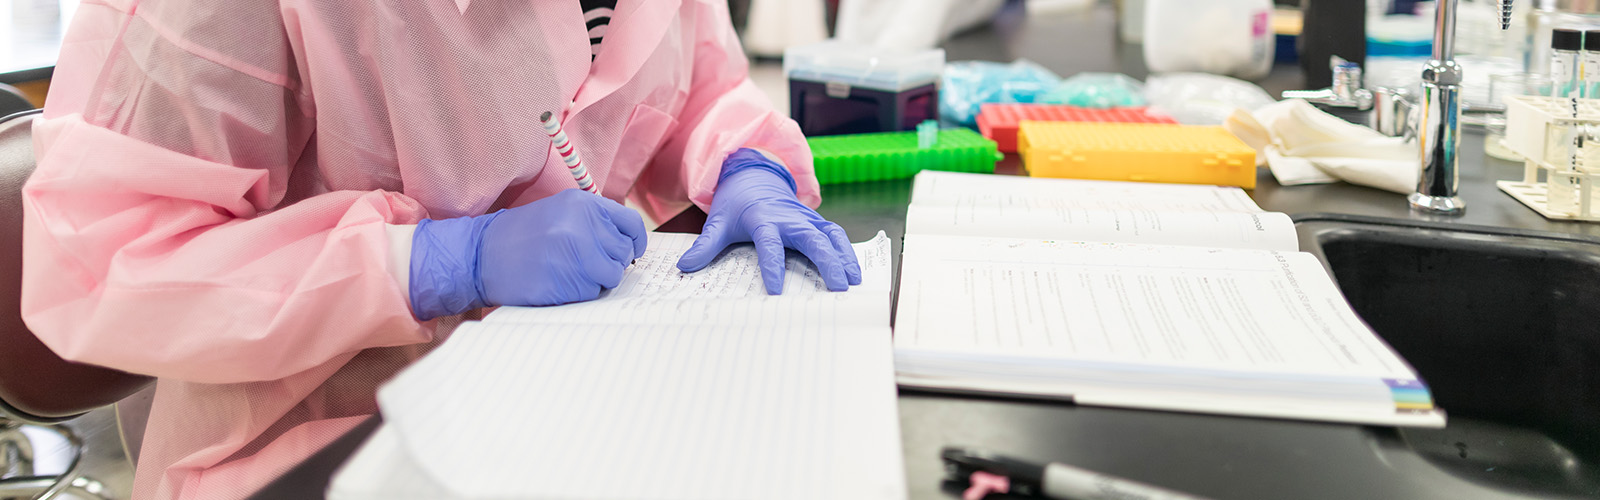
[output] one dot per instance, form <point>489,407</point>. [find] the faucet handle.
<point>1393,112</point>
<point>1347,83</point>
<point>1346,91</point>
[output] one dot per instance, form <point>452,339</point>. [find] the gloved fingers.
<point>769,256</point>
<point>614,244</point>
<point>819,248</point>
<point>706,247</point>
<point>841,242</point>
<point>629,222</point>
<point>602,270</point>
<point>585,292</point>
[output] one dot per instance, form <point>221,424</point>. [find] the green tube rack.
<point>843,159</point>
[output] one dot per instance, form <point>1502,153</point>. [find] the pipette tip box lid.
<point>838,62</point>
<point>1183,154</point>
<point>841,159</point>
<point>999,121</point>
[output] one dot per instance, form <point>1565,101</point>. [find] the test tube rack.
<point>843,159</point>
<point>1001,121</point>
<point>1140,152</point>
<point>1540,129</point>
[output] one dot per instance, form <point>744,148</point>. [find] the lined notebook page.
<point>1177,306</point>
<point>513,410</point>
<point>1257,231</point>
<point>382,470</point>
<point>1246,332</point>
<point>1023,194</point>
<point>728,292</point>
<point>1078,210</point>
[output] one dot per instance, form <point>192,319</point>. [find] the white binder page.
<point>1255,230</point>
<point>1078,210</point>
<point>516,410</point>
<point>382,470</point>
<point>1021,194</point>
<point>1175,306</point>
<point>1244,332</point>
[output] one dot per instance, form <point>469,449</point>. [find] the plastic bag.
<point>968,84</point>
<point>1097,90</point>
<point>908,24</point>
<point>1201,98</point>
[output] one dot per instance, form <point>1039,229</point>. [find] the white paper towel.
<point>1304,145</point>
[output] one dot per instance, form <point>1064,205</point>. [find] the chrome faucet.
<point>1439,128</point>
<point>1346,91</point>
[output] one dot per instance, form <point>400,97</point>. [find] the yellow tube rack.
<point>1183,154</point>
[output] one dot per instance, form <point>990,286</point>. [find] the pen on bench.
<point>999,474</point>
<point>569,153</point>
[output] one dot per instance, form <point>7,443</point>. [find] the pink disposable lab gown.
<point>215,179</point>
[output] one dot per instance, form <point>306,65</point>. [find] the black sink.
<point>1503,326</point>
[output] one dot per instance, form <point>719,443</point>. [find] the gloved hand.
<point>755,201</point>
<point>561,249</point>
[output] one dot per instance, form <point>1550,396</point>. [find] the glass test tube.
<point>1590,62</point>
<point>1565,66</point>
<point>1583,157</point>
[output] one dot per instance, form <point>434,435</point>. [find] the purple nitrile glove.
<point>755,202</point>
<point>561,249</point>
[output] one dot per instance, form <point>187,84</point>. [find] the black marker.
<point>1054,480</point>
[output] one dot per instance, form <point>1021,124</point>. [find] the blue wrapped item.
<point>1097,90</point>
<point>927,134</point>
<point>968,84</point>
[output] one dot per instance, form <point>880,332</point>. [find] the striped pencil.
<point>569,154</point>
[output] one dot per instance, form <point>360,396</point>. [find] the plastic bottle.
<point>1130,24</point>
<point>1225,37</point>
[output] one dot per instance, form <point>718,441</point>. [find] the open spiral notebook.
<point>671,385</point>
<point>1157,296</point>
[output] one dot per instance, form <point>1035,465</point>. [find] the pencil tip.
<point>545,117</point>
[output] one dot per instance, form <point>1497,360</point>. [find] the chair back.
<point>35,384</point>
<point>12,100</point>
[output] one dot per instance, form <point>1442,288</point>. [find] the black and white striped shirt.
<point>597,15</point>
